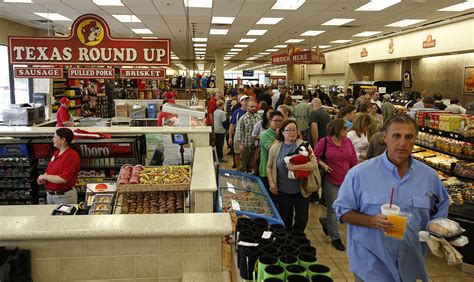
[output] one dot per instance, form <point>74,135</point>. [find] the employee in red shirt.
<point>61,174</point>
<point>63,117</point>
<point>211,108</point>
<point>170,97</point>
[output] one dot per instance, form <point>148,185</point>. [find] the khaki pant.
<point>70,197</point>
<point>245,156</point>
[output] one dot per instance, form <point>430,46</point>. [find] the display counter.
<point>203,182</point>
<point>115,246</point>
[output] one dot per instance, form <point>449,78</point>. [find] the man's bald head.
<point>316,103</point>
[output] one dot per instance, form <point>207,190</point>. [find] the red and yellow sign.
<point>430,42</point>
<point>90,43</point>
<point>143,73</point>
<point>91,73</point>
<point>38,72</point>
<point>296,56</point>
<point>364,52</point>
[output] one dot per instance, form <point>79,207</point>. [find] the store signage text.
<point>120,150</point>
<point>91,73</point>
<point>94,152</point>
<point>430,42</point>
<point>143,73</point>
<point>39,72</point>
<point>89,44</point>
<point>301,57</point>
<point>364,52</point>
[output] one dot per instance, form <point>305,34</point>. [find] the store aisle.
<point>438,270</point>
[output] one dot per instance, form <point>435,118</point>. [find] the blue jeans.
<point>330,194</point>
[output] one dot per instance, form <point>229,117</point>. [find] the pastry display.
<point>150,202</point>
<point>239,182</point>
<point>165,175</point>
<point>248,201</point>
<point>465,169</point>
<point>443,227</point>
<point>422,155</point>
<point>103,198</point>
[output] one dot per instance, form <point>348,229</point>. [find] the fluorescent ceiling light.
<point>149,37</point>
<point>264,53</point>
<point>323,46</point>
<point>200,53</point>
<point>227,58</point>
<point>199,49</point>
<point>378,5</point>
<point>366,33</point>
<point>312,33</point>
<point>247,40</point>
<point>405,23</point>
<point>459,7</point>
<point>271,50</point>
<point>240,45</point>
<point>223,20</point>
<point>127,18</point>
<point>200,44</point>
<point>199,39</point>
<point>142,31</point>
<point>338,22</point>
<point>294,40</point>
<point>198,3</point>
<point>218,31</point>
<point>235,50</point>
<point>251,58</point>
<point>18,1</point>
<point>288,5</point>
<point>279,46</point>
<point>174,58</point>
<point>269,20</point>
<point>53,16</point>
<point>258,56</point>
<point>256,32</point>
<point>108,2</point>
<point>340,41</point>
<point>232,53</point>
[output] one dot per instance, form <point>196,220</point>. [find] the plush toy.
<point>301,155</point>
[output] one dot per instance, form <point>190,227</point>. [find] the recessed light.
<point>222,20</point>
<point>200,53</point>
<point>252,58</point>
<point>338,22</point>
<point>288,5</point>
<point>340,41</point>
<point>199,39</point>
<point>258,56</point>
<point>312,33</point>
<point>323,46</point>
<point>459,7</point>
<point>200,44</point>
<point>142,31</point>
<point>108,2</point>
<point>240,45</point>
<point>264,53</point>
<point>127,18</point>
<point>198,3</point>
<point>279,46</point>
<point>271,50</point>
<point>53,16</point>
<point>232,53</point>
<point>18,1</point>
<point>405,23</point>
<point>256,32</point>
<point>269,20</point>
<point>247,40</point>
<point>218,31</point>
<point>199,49</point>
<point>294,40</point>
<point>366,33</point>
<point>151,37</point>
<point>235,50</point>
<point>378,5</point>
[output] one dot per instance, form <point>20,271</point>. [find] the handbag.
<point>15,265</point>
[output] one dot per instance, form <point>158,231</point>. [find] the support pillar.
<point>219,63</point>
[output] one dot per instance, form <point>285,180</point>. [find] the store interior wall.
<point>328,79</point>
<point>388,71</point>
<point>9,28</point>
<point>362,71</point>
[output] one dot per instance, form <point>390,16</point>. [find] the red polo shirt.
<point>61,116</point>
<point>66,166</point>
<point>211,108</point>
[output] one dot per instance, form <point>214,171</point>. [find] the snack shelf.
<point>452,135</point>
<point>462,157</point>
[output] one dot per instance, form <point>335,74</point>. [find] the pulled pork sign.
<point>89,44</point>
<point>295,56</point>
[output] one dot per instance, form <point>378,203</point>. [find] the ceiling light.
<point>217,31</point>
<point>18,1</point>
<point>263,53</point>
<point>378,5</point>
<point>235,50</point>
<point>174,58</point>
<point>405,23</point>
<point>240,46</point>
<point>53,16</point>
<point>127,18</point>
<point>232,53</point>
<point>312,33</point>
<point>198,3</point>
<point>227,58</point>
<point>247,40</point>
<point>269,20</point>
<point>199,39</point>
<point>199,49</point>
<point>459,7</point>
<point>258,56</point>
<point>323,46</point>
<point>338,22</point>
<point>256,32</point>
<point>366,33</point>
<point>288,5</point>
<point>223,20</point>
<point>149,37</point>
<point>180,66</point>
<point>200,53</point>
<point>279,46</point>
<point>294,40</point>
<point>340,41</point>
<point>108,2</point>
<point>271,50</point>
<point>200,44</point>
<point>142,31</point>
<point>251,58</point>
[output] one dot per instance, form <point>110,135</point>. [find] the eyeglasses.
<point>277,120</point>
<point>291,130</point>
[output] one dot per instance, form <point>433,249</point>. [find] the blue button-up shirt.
<point>367,186</point>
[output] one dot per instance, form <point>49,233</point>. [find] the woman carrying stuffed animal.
<point>292,193</point>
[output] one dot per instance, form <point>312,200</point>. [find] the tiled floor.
<point>438,269</point>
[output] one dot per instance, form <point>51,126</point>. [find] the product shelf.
<point>452,135</point>
<point>462,157</point>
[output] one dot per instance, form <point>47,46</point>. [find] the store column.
<point>290,75</point>
<point>219,62</point>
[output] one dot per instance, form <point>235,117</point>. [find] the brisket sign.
<point>142,73</point>
<point>90,43</point>
<point>298,57</point>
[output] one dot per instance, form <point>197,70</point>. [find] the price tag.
<point>440,132</point>
<point>266,235</point>
<point>451,135</point>
<point>247,244</point>
<point>456,136</point>
<point>430,130</point>
<point>235,205</point>
<point>230,188</point>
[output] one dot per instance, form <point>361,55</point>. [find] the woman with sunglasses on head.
<point>61,174</point>
<point>292,199</point>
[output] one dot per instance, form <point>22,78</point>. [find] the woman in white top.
<point>455,108</point>
<point>358,134</point>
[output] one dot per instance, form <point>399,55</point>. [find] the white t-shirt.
<point>275,97</point>
<point>455,109</point>
<point>219,118</point>
<point>360,143</point>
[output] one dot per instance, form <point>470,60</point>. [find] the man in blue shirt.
<point>417,191</point>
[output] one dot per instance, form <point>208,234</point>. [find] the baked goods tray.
<point>180,207</point>
<point>153,187</point>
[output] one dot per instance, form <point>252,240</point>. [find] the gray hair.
<point>400,118</point>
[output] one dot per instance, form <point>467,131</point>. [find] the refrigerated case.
<point>246,195</point>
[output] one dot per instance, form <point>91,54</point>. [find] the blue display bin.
<point>249,192</point>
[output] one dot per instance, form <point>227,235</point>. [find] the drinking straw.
<point>391,197</point>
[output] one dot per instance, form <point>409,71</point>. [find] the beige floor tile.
<point>343,265</point>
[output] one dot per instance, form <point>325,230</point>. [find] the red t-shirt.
<point>61,116</point>
<point>66,166</point>
<point>211,108</point>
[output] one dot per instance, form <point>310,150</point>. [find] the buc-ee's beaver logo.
<point>90,32</point>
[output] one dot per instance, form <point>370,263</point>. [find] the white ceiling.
<point>167,19</point>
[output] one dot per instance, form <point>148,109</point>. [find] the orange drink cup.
<point>399,221</point>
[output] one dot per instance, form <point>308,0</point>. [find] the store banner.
<point>74,73</point>
<point>127,73</point>
<point>38,72</point>
<point>90,43</point>
<point>295,56</point>
<point>111,150</point>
